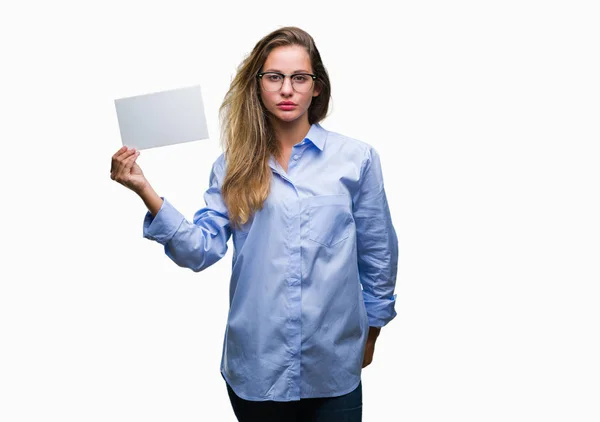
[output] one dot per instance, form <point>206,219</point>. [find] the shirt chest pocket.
<point>329,219</point>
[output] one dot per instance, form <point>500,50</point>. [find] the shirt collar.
<point>317,135</point>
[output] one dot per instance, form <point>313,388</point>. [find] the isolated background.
<point>486,118</point>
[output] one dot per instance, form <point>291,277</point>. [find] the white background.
<point>485,115</point>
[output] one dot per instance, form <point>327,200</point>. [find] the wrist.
<point>146,191</point>
<point>151,199</point>
<point>373,333</point>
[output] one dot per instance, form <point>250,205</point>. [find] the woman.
<point>311,225</point>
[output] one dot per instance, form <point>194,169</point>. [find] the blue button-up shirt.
<point>311,270</point>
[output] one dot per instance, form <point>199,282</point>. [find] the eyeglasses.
<point>273,81</point>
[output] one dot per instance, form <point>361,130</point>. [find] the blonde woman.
<point>315,252</point>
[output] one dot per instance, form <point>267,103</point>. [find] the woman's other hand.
<point>126,171</point>
<point>370,346</point>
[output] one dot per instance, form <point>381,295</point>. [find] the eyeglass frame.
<point>313,76</point>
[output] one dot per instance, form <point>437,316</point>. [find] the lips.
<point>286,105</point>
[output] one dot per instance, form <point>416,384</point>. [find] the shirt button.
<point>296,157</point>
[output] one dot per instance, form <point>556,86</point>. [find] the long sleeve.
<point>195,245</point>
<point>377,244</point>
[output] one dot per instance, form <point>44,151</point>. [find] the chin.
<point>287,117</point>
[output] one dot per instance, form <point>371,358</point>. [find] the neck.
<point>289,134</point>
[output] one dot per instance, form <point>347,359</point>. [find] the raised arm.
<point>198,244</point>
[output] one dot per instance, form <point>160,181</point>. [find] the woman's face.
<point>288,60</point>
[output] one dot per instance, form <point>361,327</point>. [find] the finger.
<point>117,162</point>
<point>130,160</point>
<point>114,157</point>
<point>126,153</point>
<point>117,155</point>
<point>123,148</point>
<point>127,164</point>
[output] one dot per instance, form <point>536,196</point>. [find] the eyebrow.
<point>279,71</point>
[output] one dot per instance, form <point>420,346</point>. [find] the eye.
<point>273,77</point>
<point>300,79</point>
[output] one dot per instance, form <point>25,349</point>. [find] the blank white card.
<point>162,118</point>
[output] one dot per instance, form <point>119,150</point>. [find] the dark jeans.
<point>346,408</point>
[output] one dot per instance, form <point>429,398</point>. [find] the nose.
<point>287,89</point>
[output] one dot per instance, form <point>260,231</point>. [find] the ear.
<point>317,90</point>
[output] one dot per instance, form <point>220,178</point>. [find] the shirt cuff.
<point>379,310</point>
<point>164,225</point>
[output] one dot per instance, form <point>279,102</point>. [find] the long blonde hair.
<point>246,134</point>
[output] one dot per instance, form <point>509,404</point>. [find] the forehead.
<point>289,58</point>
